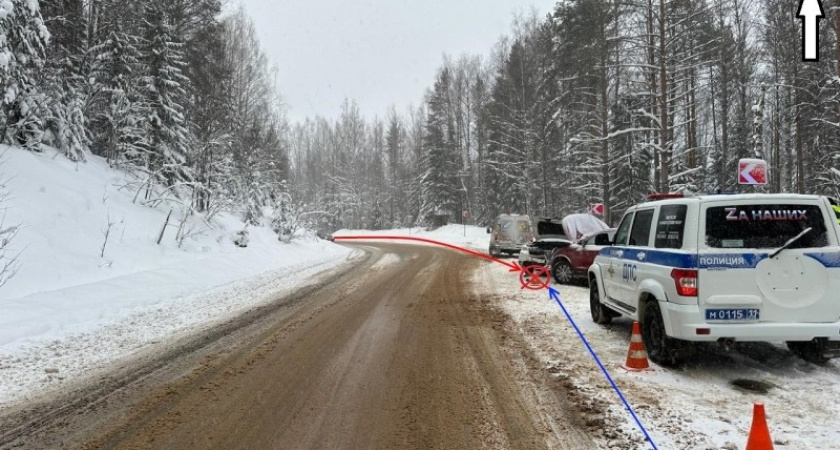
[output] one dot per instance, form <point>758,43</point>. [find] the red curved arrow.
<point>514,266</point>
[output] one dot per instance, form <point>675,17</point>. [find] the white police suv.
<point>727,268</point>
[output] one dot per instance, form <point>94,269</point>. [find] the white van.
<point>725,268</point>
<point>509,233</point>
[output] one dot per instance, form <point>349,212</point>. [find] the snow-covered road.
<point>698,406</point>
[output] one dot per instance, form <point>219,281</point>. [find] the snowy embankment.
<point>472,237</point>
<point>697,407</point>
<point>73,309</point>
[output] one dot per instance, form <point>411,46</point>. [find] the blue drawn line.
<point>555,295</point>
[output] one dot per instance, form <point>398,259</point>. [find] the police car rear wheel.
<point>811,351</point>
<point>600,313</point>
<point>660,348</point>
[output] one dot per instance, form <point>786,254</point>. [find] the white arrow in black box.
<point>811,11</point>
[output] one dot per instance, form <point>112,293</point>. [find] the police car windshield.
<point>765,227</point>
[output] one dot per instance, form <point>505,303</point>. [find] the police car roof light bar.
<point>665,196</point>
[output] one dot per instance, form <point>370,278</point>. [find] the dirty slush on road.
<point>395,354</point>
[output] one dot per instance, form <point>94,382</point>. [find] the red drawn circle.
<point>535,278</point>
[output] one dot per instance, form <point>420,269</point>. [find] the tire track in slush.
<point>402,356</point>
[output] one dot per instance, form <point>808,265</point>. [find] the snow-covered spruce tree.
<point>210,116</point>
<point>118,126</point>
<point>440,161</point>
<point>286,218</point>
<point>267,170</point>
<point>219,187</point>
<point>64,81</point>
<point>254,191</point>
<point>254,201</point>
<point>394,140</point>
<point>23,37</point>
<point>66,119</point>
<point>164,88</point>
<point>504,157</point>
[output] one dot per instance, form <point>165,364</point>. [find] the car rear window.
<point>545,227</point>
<point>511,225</point>
<point>764,226</point>
<point>671,226</point>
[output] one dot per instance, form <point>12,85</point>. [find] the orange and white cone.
<point>637,359</point>
<point>759,433</point>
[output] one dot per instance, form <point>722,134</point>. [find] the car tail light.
<point>685,281</point>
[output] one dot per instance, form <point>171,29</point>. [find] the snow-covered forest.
<point>172,90</point>
<point>600,101</point>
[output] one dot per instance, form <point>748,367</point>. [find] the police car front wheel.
<point>600,313</point>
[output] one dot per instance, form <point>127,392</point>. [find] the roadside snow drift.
<point>73,308</point>
<point>697,407</point>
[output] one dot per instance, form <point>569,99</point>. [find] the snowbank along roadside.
<point>695,407</point>
<point>73,309</point>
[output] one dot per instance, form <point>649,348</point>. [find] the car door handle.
<point>642,256</point>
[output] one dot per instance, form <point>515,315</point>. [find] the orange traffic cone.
<point>637,355</point>
<point>759,434</point>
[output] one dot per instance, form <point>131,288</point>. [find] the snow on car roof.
<point>580,225</point>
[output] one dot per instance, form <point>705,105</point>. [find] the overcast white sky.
<point>378,52</point>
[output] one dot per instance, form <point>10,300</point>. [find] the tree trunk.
<point>724,125</point>
<point>800,167</point>
<point>605,143</point>
<point>758,125</point>
<point>716,145</point>
<point>654,88</point>
<point>692,121</point>
<point>799,130</point>
<point>837,43</point>
<point>776,174</point>
<point>665,145</point>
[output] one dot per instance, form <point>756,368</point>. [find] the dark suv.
<point>549,235</point>
<point>573,261</point>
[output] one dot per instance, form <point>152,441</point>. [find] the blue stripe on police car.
<point>708,261</point>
